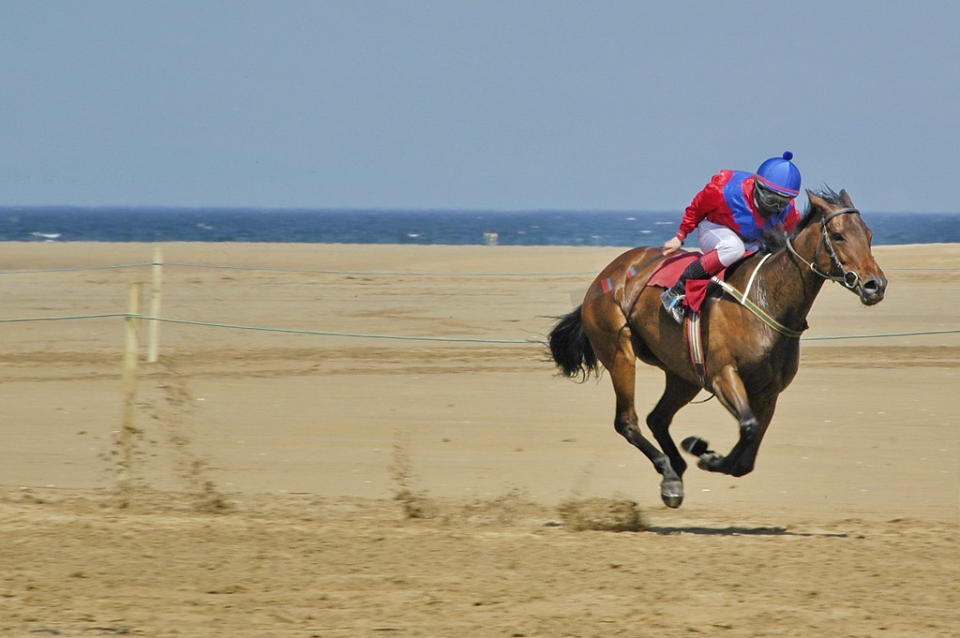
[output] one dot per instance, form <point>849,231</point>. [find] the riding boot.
<point>703,268</point>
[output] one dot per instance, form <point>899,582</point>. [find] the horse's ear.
<point>846,199</point>
<point>818,203</point>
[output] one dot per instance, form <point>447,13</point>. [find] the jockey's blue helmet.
<point>781,175</point>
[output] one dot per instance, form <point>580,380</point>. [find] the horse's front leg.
<point>623,373</point>
<point>753,422</point>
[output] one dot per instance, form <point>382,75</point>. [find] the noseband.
<point>848,278</point>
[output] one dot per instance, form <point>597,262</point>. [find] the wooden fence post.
<point>130,356</point>
<point>153,330</point>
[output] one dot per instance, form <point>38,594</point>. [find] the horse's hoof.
<point>710,461</point>
<point>695,445</point>
<point>671,492</point>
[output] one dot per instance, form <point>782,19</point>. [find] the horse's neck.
<point>785,287</point>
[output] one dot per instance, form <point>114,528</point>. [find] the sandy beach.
<point>295,484</point>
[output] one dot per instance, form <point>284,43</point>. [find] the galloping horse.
<point>749,360</point>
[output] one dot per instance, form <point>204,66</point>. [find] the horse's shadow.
<point>740,531</point>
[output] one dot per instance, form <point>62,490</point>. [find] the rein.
<point>850,279</point>
<point>755,309</point>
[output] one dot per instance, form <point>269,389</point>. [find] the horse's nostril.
<point>873,287</point>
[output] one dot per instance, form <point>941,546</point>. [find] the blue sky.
<point>480,105</point>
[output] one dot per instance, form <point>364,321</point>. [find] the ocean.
<point>517,228</point>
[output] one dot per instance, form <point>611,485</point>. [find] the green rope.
<point>337,334</point>
<point>71,269</point>
<point>67,318</point>
<point>888,334</point>
<point>326,333</point>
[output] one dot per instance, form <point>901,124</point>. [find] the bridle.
<point>848,278</point>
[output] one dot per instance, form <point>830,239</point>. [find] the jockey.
<point>732,212</point>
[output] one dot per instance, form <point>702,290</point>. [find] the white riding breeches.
<point>728,244</point>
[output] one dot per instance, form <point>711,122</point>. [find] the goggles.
<point>769,199</point>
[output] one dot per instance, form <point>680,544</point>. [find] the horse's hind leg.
<point>677,393</point>
<point>622,366</point>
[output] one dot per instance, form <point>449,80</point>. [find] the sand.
<point>306,485</point>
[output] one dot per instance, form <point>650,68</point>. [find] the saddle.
<point>670,270</point>
<point>697,290</point>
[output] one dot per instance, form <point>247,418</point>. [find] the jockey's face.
<point>769,201</point>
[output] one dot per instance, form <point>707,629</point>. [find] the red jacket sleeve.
<point>703,203</point>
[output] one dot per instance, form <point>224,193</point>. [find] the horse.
<point>749,359</point>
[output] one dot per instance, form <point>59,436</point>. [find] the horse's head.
<point>838,239</point>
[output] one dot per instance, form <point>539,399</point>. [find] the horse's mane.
<point>775,238</point>
<point>825,193</point>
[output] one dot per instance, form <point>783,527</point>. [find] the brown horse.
<point>749,361</point>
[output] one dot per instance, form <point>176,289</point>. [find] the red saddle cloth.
<point>669,272</point>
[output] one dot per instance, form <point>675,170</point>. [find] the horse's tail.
<point>570,348</point>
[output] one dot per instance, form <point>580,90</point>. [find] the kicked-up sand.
<point>295,484</point>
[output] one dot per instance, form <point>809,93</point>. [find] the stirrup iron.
<point>673,304</point>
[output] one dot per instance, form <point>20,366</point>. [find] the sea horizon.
<point>543,227</point>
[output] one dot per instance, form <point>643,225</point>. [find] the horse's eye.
<point>836,236</point>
